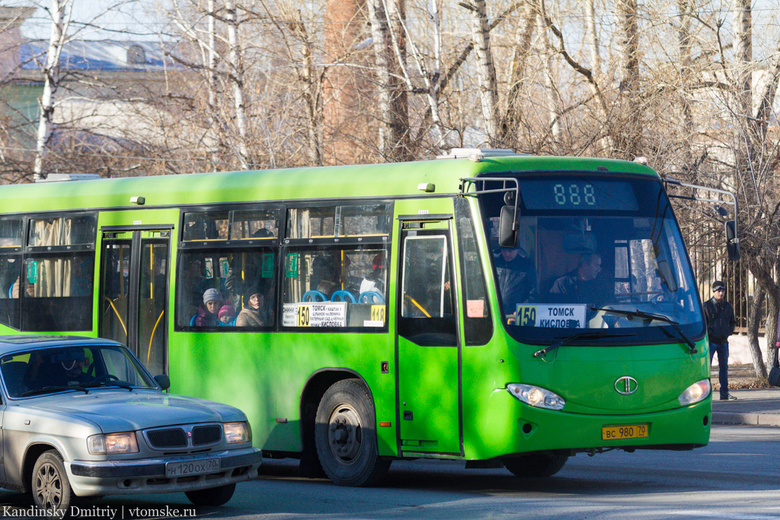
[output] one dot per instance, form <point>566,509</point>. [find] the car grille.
<point>184,436</point>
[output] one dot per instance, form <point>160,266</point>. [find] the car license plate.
<point>627,431</point>
<point>192,467</point>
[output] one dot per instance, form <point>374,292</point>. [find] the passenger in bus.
<point>578,285</point>
<point>252,314</point>
<point>227,316</point>
<point>208,312</point>
<point>13,291</point>
<point>375,280</point>
<point>516,277</point>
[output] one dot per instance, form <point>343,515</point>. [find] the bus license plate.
<point>628,431</point>
<point>193,467</point>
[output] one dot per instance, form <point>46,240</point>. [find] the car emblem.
<point>626,385</point>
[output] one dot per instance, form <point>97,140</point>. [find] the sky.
<point>122,19</point>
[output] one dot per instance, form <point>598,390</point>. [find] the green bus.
<point>484,306</point>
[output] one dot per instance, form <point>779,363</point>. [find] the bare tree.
<point>59,12</point>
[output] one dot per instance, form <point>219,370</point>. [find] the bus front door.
<point>428,350</point>
<point>133,292</point>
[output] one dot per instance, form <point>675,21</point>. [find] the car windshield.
<point>593,253</point>
<point>72,368</point>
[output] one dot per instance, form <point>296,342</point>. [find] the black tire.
<point>538,465</point>
<point>49,484</point>
<point>345,436</point>
<point>217,496</point>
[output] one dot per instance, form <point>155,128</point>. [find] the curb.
<point>754,419</point>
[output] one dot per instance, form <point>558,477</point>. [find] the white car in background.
<point>83,417</point>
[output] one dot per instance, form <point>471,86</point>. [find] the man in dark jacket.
<point>720,325</point>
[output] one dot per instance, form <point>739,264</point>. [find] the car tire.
<point>212,496</point>
<point>49,484</point>
<point>538,465</point>
<point>345,436</point>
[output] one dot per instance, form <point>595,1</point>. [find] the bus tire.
<point>537,465</point>
<point>345,436</point>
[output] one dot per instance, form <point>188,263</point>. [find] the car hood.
<point>122,410</point>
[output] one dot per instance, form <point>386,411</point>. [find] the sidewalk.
<point>753,406</point>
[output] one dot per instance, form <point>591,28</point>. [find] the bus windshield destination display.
<point>562,193</point>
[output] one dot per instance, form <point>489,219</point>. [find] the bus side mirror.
<point>507,233</point>
<point>163,381</point>
<point>732,241</point>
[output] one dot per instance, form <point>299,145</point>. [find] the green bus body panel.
<point>382,180</point>
<point>457,395</point>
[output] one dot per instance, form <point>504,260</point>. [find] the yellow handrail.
<point>149,352</point>
<point>417,305</point>
<point>110,302</point>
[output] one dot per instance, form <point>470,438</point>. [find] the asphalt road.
<point>736,477</point>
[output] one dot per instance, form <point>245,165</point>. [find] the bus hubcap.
<point>345,433</point>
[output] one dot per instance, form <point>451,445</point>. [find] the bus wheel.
<point>345,436</point>
<point>538,465</point>
<point>50,487</point>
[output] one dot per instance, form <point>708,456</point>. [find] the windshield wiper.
<point>651,316</point>
<point>50,389</point>
<point>580,335</point>
<point>120,384</point>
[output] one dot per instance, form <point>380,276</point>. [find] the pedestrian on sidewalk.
<point>720,325</point>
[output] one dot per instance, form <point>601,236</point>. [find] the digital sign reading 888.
<point>573,194</point>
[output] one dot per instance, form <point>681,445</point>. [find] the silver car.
<point>83,417</point>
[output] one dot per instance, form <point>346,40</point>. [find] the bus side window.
<point>478,326</point>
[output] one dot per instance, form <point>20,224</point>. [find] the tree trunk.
<point>553,99</point>
<point>237,81</point>
<point>60,19</point>
<point>753,325</point>
<point>486,72</point>
<point>388,46</point>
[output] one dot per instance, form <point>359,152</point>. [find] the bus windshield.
<point>593,252</point>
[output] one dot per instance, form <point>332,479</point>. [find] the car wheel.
<point>535,466</point>
<point>345,436</point>
<point>50,487</point>
<point>212,496</point>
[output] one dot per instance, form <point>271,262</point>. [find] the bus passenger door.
<point>427,339</point>
<point>133,293</point>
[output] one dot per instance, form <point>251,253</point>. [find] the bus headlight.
<point>536,396</point>
<point>696,392</point>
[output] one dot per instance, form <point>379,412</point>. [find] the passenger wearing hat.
<point>252,314</point>
<point>208,312</point>
<point>227,316</point>
<point>374,281</point>
<point>720,325</point>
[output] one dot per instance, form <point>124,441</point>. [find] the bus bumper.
<point>529,429</point>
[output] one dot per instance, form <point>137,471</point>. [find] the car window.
<point>82,368</point>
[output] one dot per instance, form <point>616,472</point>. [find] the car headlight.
<point>236,432</point>
<point>536,396</point>
<point>698,391</point>
<point>112,443</point>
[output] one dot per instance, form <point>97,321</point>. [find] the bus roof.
<point>375,180</point>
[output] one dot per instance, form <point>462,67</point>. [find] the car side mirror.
<point>507,231</point>
<point>732,241</point>
<point>163,381</point>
